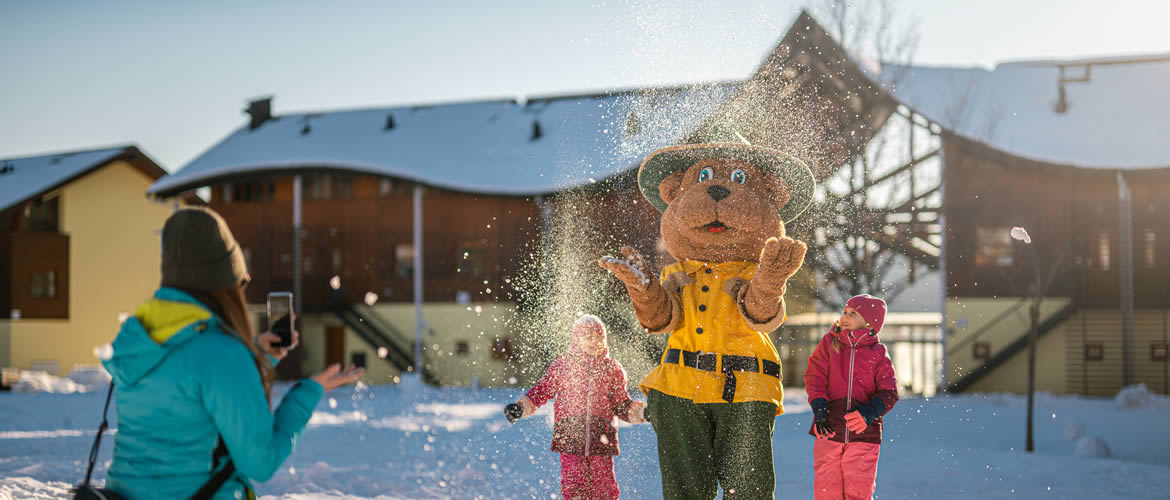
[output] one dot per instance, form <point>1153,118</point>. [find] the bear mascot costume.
<point>714,396</point>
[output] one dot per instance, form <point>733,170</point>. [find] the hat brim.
<point>669,160</point>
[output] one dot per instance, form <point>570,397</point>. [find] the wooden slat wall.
<point>1103,326</point>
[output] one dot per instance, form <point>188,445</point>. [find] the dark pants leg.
<point>743,448</point>
<point>703,445</point>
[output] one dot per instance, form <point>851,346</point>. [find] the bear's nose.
<point>718,192</point>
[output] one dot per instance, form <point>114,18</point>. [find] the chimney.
<point>260,110</point>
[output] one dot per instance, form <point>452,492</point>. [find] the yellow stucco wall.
<point>114,259</point>
<point>967,316</point>
<point>448,324</point>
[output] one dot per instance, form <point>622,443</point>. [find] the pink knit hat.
<point>871,309</point>
<point>584,322</point>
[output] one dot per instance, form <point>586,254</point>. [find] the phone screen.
<point>280,306</point>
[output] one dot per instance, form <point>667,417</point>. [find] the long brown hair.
<point>230,304</point>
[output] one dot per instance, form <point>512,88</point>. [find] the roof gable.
<point>27,177</point>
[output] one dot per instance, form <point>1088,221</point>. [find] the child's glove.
<point>638,412</point>
<point>523,407</point>
<point>859,418</point>
<point>513,412</point>
<point>821,426</point>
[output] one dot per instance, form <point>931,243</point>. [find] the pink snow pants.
<point>844,471</point>
<point>588,478</point>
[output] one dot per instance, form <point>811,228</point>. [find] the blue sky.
<point>173,77</point>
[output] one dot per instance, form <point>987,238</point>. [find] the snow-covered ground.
<point>414,441</point>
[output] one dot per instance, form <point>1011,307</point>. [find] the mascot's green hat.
<point>668,160</point>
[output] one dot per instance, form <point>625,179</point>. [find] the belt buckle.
<point>699,360</point>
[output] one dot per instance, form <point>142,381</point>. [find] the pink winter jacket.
<point>847,368</point>
<point>589,392</point>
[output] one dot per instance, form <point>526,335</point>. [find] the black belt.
<point>731,364</point>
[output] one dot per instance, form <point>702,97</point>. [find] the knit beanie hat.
<point>199,252</point>
<point>585,324</point>
<point>871,309</point>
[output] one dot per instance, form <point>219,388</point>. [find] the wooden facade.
<point>1072,215</point>
<point>34,261</point>
<point>359,228</point>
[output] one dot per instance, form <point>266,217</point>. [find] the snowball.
<point>371,298</point>
<point>383,352</point>
<point>335,282</point>
<point>1091,446</point>
<point>332,403</point>
<point>1021,234</point>
<point>104,352</point>
<point>1074,431</point>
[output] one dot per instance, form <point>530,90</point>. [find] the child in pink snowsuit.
<point>850,383</point>
<point>590,389</point>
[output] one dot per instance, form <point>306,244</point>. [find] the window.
<point>317,187</point>
<point>336,260</point>
<point>502,349</point>
<point>471,259</point>
<point>1150,250</point>
<point>343,187</point>
<point>357,359</point>
<point>462,348</point>
<point>404,260</point>
<point>41,215</point>
<point>328,187</point>
<point>1094,352</point>
<point>44,285</point>
<point>1103,251</point>
<point>993,247</point>
<point>981,351</point>
<point>1159,353</point>
<point>242,192</point>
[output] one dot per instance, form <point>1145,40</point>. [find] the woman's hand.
<point>266,339</point>
<point>333,377</point>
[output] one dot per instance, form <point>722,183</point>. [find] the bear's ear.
<point>778,190</point>
<point>670,187</point>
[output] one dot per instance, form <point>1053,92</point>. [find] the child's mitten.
<point>871,410</point>
<point>638,412</point>
<point>523,407</point>
<point>513,412</point>
<point>821,425</point>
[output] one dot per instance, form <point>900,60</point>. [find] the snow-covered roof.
<point>493,147</point>
<point>26,177</point>
<point>1118,118</point>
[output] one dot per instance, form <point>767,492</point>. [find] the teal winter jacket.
<point>181,380</point>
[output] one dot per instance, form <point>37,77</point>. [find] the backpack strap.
<point>205,492</point>
<point>97,440</point>
<point>220,477</point>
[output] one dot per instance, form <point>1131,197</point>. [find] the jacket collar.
<point>734,267</point>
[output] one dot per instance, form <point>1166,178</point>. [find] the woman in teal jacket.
<point>188,370</point>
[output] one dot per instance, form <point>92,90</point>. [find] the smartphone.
<point>280,307</point>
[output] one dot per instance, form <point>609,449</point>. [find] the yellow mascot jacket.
<point>706,317</point>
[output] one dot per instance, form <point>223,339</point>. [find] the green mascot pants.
<point>702,445</point>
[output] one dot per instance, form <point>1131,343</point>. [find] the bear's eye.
<point>738,176</point>
<point>705,174</point>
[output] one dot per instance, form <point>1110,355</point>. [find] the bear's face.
<point>721,210</point>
